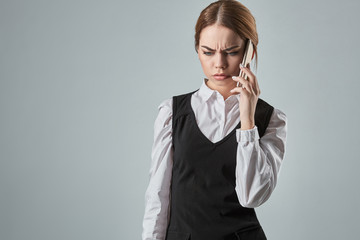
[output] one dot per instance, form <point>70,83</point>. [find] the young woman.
<point>217,151</point>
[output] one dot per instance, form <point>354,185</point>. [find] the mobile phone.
<point>248,54</point>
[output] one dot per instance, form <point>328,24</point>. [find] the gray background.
<point>80,82</point>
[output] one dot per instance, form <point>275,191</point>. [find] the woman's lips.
<point>220,76</point>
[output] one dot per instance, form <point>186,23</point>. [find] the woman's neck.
<point>224,90</point>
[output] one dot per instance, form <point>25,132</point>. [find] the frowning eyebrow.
<point>228,49</point>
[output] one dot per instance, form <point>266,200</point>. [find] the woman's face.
<point>220,52</point>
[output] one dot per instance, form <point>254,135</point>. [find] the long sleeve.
<point>259,160</point>
<point>157,195</point>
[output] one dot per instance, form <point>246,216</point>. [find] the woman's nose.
<point>220,61</point>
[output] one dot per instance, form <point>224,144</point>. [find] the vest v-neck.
<point>201,134</point>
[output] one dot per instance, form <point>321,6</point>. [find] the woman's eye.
<point>233,53</point>
<point>207,53</point>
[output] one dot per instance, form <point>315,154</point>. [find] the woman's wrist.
<point>246,125</point>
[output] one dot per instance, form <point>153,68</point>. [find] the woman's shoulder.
<point>164,116</point>
<point>166,104</point>
<point>186,94</point>
<point>280,114</point>
<point>165,110</point>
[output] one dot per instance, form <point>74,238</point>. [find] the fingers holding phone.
<point>250,84</point>
<point>250,79</point>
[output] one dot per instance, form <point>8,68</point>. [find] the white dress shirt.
<point>257,163</point>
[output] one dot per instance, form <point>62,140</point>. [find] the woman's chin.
<point>222,82</point>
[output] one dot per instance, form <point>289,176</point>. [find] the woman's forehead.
<point>219,37</point>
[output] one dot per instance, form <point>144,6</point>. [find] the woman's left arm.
<point>259,160</point>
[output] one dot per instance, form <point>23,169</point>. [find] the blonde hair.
<point>231,14</point>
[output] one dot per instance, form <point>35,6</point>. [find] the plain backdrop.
<point>80,83</point>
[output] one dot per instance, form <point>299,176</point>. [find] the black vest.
<point>203,203</point>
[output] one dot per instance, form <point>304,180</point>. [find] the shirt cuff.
<point>250,135</point>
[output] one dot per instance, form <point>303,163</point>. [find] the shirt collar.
<point>205,92</point>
